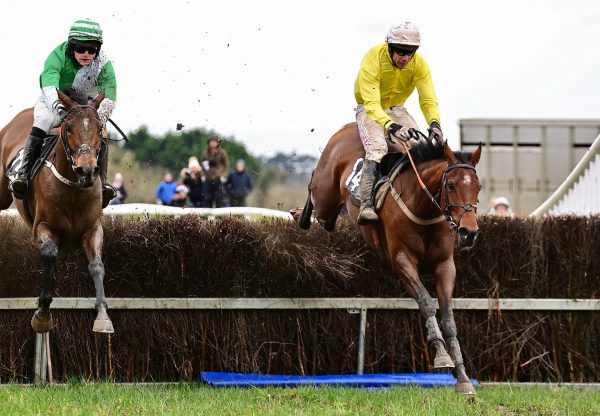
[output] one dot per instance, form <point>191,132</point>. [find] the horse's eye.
<point>451,187</point>
<point>69,128</point>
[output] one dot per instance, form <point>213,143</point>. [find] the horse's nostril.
<point>79,171</point>
<point>466,235</point>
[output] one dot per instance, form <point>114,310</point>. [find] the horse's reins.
<point>448,205</point>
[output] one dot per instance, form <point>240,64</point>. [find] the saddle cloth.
<point>391,165</point>
<point>15,164</point>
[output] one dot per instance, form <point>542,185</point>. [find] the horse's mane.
<point>77,96</point>
<point>425,151</point>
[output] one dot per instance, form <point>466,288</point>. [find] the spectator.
<point>500,207</point>
<point>193,180</point>
<point>180,199</point>
<point>215,162</point>
<point>238,185</point>
<point>120,189</point>
<point>166,190</point>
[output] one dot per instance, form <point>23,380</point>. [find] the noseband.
<point>83,149</point>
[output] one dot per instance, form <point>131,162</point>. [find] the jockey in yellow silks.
<point>388,75</point>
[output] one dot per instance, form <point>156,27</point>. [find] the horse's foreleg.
<point>92,247</point>
<point>48,248</point>
<point>445,275</point>
<point>406,268</point>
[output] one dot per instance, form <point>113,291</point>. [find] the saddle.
<point>391,165</point>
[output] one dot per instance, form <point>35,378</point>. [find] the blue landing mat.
<point>347,380</point>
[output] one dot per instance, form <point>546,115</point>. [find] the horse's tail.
<point>304,218</point>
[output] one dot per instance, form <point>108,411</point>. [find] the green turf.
<point>190,399</point>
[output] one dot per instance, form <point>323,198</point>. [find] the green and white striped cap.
<point>86,29</point>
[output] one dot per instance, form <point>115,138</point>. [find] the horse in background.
<point>413,227</point>
<point>63,201</point>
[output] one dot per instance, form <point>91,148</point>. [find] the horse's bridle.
<point>84,148</point>
<point>444,190</point>
<point>447,205</point>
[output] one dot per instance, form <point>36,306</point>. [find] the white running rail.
<point>147,210</point>
<point>579,194</point>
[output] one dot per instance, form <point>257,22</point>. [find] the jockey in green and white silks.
<point>77,67</point>
<point>60,72</point>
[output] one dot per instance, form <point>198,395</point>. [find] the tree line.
<point>173,149</point>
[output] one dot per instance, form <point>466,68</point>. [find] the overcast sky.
<point>278,76</point>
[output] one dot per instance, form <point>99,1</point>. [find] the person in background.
<point>389,73</point>
<point>180,198</point>
<point>193,180</point>
<point>501,207</point>
<point>120,189</point>
<point>238,185</point>
<point>215,162</point>
<point>166,190</point>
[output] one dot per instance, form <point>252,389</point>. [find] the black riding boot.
<point>367,212</point>
<point>108,192</point>
<point>32,148</point>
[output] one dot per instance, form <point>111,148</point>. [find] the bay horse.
<point>63,201</point>
<point>415,235</point>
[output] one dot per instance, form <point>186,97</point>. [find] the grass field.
<point>191,399</point>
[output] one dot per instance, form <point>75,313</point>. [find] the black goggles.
<point>92,50</point>
<point>403,52</point>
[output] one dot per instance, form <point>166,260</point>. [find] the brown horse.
<point>416,235</point>
<point>63,203</point>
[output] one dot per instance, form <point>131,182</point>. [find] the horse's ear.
<point>476,155</point>
<point>96,102</point>
<point>64,98</point>
<point>449,154</point>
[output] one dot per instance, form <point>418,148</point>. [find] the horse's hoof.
<point>41,326</point>
<point>443,361</point>
<point>103,326</point>
<point>465,387</point>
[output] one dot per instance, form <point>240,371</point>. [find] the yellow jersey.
<point>381,85</point>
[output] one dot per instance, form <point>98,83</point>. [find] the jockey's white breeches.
<point>43,117</point>
<point>373,136</point>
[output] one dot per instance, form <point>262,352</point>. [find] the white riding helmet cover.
<point>501,200</point>
<point>404,34</point>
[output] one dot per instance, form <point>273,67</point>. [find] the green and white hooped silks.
<point>86,30</point>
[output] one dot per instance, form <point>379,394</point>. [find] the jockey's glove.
<point>435,132</point>
<point>59,109</point>
<point>402,132</point>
